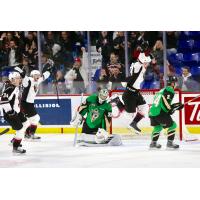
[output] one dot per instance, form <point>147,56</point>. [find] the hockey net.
<point>120,121</point>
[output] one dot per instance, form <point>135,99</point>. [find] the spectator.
<point>31,40</point>
<point>67,44</point>
<point>114,62</point>
<point>104,46</point>
<point>14,55</point>
<point>158,52</point>
<point>115,79</point>
<point>171,42</point>
<point>103,79</point>
<point>31,53</point>
<point>118,44</point>
<point>76,78</point>
<point>60,83</point>
<point>49,41</point>
<point>186,82</point>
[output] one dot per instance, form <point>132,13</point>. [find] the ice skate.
<point>154,145</point>
<point>18,150</point>
<point>133,126</point>
<point>171,145</point>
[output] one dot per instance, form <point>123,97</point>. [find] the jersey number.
<point>157,100</point>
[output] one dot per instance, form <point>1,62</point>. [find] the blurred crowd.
<point>68,48</point>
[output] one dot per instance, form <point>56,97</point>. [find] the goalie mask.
<point>103,95</point>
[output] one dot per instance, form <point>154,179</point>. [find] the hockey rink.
<point>57,151</point>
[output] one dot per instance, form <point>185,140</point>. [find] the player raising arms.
<point>10,104</point>
<point>132,98</point>
<point>160,114</point>
<point>30,90</point>
<point>97,123</point>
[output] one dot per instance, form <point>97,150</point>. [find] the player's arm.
<point>83,108</point>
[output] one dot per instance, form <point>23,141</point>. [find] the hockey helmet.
<point>143,58</point>
<point>13,75</point>
<point>35,72</point>
<point>171,79</point>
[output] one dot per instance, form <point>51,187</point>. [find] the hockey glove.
<point>77,120</point>
<point>21,71</point>
<point>175,106</point>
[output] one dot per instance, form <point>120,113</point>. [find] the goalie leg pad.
<point>34,120</point>
<point>115,141</point>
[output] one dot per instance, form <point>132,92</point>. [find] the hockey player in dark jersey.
<point>30,90</point>
<point>133,101</point>
<point>160,114</point>
<point>96,126</point>
<point>10,104</point>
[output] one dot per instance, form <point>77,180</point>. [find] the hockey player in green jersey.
<point>96,125</point>
<point>160,114</point>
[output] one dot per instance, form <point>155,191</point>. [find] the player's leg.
<point>155,133</point>
<point>168,122</point>
<point>142,108</point>
<point>17,125</point>
<point>115,99</point>
<point>171,135</point>
<point>33,118</point>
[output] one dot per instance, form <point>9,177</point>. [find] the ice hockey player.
<point>30,90</point>
<point>96,126</point>
<point>10,104</point>
<point>132,98</point>
<point>160,114</point>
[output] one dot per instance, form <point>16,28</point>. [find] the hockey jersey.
<point>10,98</point>
<point>31,87</point>
<point>158,101</point>
<point>96,112</point>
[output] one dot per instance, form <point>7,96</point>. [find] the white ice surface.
<point>57,151</point>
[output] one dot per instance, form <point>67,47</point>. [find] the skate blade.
<point>172,149</point>
<point>133,130</point>
<point>32,140</point>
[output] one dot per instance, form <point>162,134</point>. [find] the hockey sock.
<point>120,106</point>
<point>138,117</point>
<point>156,133</point>
<point>16,143</point>
<point>32,129</point>
<point>28,131</point>
<point>171,132</point>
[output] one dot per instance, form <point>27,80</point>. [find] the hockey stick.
<point>191,100</point>
<point>76,128</point>
<point>4,131</point>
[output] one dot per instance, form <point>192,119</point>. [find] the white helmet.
<point>35,72</point>
<point>13,75</point>
<point>144,59</point>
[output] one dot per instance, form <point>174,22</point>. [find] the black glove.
<point>175,106</point>
<point>12,114</point>
<point>48,66</point>
<point>21,71</point>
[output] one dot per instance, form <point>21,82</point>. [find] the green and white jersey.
<point>158,102</point>
<point>96,112</point>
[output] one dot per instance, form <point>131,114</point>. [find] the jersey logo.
<point>95,115</point>
<point>168,96</point>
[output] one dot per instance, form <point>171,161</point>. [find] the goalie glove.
<point>175,106</point>
<point>102,136</point>
<point>77,120</point>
